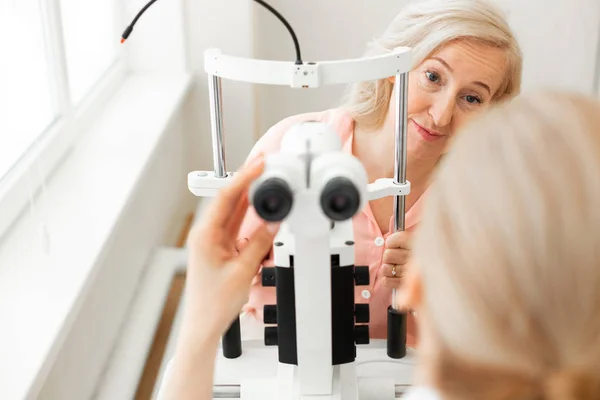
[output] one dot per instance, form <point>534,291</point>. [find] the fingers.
<point>388,270</point>
<point>398,240</point>
<point>390,280</point>
<point>227,199</point>
<point>207,236</point>
<point>253,254</point>
<point>237,217</point>
<point>396,256</point>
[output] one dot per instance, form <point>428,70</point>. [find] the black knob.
<point>270,314</point>
<point>271,336</point>
<point>232,340</point>
<point>396,333</point>
<point>361,276</point>
<point>362,314</point>
<point>268,276</point>
<point>361,334</point>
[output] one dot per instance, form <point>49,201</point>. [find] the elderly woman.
<point>465,59</point>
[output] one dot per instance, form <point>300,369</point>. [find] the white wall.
<point>559,39</point>
<point>228,25</point>
<point>151,49</point>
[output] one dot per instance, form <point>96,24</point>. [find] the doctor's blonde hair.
<point>509,253</point>
<point>426,26</point>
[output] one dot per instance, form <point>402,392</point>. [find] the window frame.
<point>22,183</point>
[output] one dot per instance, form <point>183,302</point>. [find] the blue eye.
<point>472,99</point>
<point>432,76</point>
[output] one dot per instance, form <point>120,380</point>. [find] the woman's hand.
<point>221,269</point>
<point>395,258</point>
<point>217,285</point>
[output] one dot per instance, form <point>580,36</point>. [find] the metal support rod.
<point>396,324</point>
<point>401,91</point>
<point>216,121</point>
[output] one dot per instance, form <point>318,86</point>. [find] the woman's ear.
<point>410,296</point>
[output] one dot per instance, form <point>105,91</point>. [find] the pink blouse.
<point>369,240</point>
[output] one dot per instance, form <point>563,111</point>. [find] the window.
<point>58,65</point>
<point>90,37</point>
<point>26,106</point>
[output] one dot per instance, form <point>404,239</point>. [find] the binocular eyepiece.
<point>310,174</point>
<point>273,200</point>
<point>339,199</point>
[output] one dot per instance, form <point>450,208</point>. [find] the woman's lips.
<point>426,134</point>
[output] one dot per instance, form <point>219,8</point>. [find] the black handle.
<point>396,333</point>
<point>268,277</point>
<point>270,314</point>
<point>271,336</point>
<point>361,334</point>
<point>361,276</point>
<point>232,340</point>
<point>362,314</point>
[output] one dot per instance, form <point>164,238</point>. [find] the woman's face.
<point>451,86</point>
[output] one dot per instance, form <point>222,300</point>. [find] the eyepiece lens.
<point>273,200</point>
<point>340,199</point>
<point>271,204</point>
<point>339,203</point>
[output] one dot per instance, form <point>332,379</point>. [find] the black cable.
<point>288,26</point>
<point>129,29</point>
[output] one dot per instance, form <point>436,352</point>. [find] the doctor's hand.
<point>395,258</point>
<point>220,269</point>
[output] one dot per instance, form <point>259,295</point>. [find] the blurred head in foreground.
<point>506,279</point>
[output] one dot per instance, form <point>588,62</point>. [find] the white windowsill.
<point>45,277</point>
<point>126,365</point>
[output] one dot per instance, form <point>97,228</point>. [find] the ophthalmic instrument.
<point>314,190</point>
<point>316,339</point>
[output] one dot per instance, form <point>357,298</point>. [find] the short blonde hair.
<point>425,27</point>
<point>509,252</point>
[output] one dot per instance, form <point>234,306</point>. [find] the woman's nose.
<point>441,110</point>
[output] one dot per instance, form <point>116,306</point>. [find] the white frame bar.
<point>308,75</point>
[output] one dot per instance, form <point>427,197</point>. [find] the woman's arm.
<point>217,285</point>
<point>191,375</point>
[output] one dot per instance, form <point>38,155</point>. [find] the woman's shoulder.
<point>338,118</point>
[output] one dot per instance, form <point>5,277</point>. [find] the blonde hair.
<point>425,27</point>
<point>509,251</point>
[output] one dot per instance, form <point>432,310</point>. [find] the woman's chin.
<point>421,148</point>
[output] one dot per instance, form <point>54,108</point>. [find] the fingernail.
<point>272,228</point>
